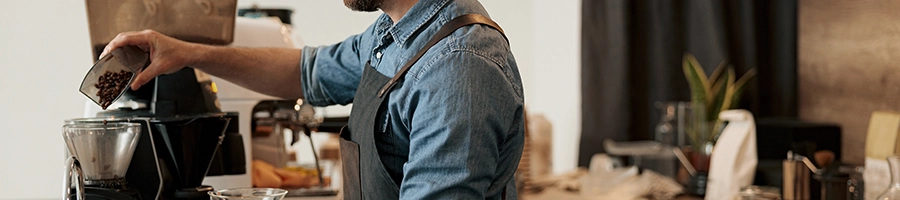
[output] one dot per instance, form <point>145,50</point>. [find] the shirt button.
<point>378,55</point>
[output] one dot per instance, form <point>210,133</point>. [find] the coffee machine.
<point>185,136</point>
<point>167,161</point>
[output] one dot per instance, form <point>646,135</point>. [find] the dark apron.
<point>364,176</point>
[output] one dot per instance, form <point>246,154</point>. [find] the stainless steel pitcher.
<point>796,170</point>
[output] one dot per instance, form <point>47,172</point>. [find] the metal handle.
<point>315,156</point>
<point>73,168</point>
<point>803,159</point>
<point>306,131</point>
<point>684,161</point>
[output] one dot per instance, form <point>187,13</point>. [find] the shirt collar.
<point>414,19</point>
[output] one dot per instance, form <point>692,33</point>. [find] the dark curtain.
<point>632,52</point>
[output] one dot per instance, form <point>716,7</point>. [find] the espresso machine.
<point>248,33</point>
<point>183,134</point>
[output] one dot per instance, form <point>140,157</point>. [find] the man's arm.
<point>271,71</point>
<point>464,140</point>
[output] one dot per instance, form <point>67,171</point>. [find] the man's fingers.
<point>152,71</point>
<point>140,80</point>
<point>137,38</point>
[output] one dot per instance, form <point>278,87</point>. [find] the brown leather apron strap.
<point>446,30</point>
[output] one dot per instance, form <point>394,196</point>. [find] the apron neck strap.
<point>446,30</point>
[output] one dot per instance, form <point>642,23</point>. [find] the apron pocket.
<point>350,161</point>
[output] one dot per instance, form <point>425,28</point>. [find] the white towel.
<point>733,160</point>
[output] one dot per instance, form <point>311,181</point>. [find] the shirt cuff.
<point>312,91</point>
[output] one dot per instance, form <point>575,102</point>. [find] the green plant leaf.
<point>723,106</point>
<point>739,86</point>
<point>710,96</point>
<point>718,71</point>
<point>696,79</point>
<point>716,96</point>
<point>716,75</point>
<point>728,93</point>
<point>699,86</point>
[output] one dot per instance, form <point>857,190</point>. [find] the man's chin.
<point>363,5</point>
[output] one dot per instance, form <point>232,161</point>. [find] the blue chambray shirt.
<point>454,128</point>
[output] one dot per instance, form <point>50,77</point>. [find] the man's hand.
<point>167,54</point>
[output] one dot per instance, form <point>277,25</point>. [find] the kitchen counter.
<point>313,198</point>
<point>555,194</point>
<point>547,195</point>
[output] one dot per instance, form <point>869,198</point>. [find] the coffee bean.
<point>110,84</point>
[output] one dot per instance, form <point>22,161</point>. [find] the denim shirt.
<point>454,127</point>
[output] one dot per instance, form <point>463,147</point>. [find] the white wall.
<point>45,50</point>
<point>554,78</point>
<point>44,53</point>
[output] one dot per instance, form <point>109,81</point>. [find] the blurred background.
<point>45,51</point>
<point>595,70</point>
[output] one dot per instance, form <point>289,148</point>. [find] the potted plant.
<point>710,95</point>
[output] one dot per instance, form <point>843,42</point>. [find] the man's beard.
<point>363,5</point>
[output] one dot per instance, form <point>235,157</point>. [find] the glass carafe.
<point>669,132</point>
<point>893,190</point>
<point>104,150</point>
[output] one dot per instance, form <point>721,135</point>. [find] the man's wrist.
<point>201,54</point>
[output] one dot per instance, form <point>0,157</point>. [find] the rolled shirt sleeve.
<point>330,74</point>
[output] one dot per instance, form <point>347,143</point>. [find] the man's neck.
<point>397,8</point>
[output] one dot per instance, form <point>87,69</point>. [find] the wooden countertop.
<point>555,194</point>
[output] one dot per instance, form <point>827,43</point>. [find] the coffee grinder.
<point>184,134</point>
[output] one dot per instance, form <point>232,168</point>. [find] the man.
<point>449,126</point>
